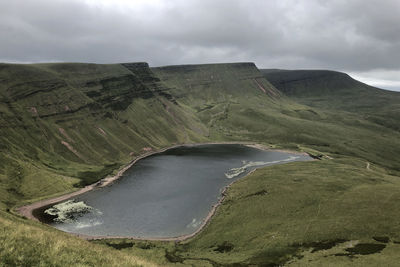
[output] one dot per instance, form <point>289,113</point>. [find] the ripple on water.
<point>165,195</point>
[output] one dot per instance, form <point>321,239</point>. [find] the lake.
<point>164,195</point>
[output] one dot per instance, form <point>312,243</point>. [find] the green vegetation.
<point>237,109</point>
<point>25,243</point>
<point>338,91</point>
<point>67,125</point>
<point>64,122</point>
<point>345,202</point>
<point>295,215</point>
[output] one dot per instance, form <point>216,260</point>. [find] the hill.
<point>67,125</point>
<point>237,106</point>
<point>82,121</point>
<point>338,91</point>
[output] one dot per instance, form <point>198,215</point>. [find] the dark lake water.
<point>167,194</point>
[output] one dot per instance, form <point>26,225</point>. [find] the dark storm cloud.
<point>349,35</point>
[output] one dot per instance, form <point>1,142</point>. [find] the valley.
<point>64,126</point>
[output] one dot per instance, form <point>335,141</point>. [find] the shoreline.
<point>27,210</point>
<point>180,238</point>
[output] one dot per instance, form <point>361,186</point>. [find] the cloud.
<point>348,35</point>
<point>384,79</point>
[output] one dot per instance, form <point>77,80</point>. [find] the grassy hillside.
<point>25,243</point>
<point>283,213</point>
<point>67,125</point>
<point>243,105</point>
<point>338,91</point>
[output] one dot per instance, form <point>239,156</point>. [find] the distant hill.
<point>320,87</point>
<point>338,91</point>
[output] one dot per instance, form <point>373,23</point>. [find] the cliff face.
<point>232,99</point>
<point>81,120</point>
<point>148,78</point>
<point>58,89</point>
<point>230,78</point>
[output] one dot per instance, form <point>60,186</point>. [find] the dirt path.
<point>27,210</point>
<point>263,147</point>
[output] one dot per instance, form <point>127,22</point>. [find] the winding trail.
<point>27,210</point>
<point>368,166</point>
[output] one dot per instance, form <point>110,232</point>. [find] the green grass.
<point>241,111</point>
<point>338,91</point>
<point>277,215</point>
<point>281,213</point>
<point>26,243</point>
<point>345,201</point>
<point>50,124</point>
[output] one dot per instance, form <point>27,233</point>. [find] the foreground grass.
<point>24,243</point>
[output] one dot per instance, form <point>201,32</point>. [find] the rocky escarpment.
<point>220,94</point>
<point>118,92</point>
<point>81,120</point>
<point>148,78</point>
<point>27,90</point>
<point>231,78</point>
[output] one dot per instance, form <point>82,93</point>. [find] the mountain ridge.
<point>117,112</point>
<point>336,90</point>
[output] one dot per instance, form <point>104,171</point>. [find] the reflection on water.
<point>164,195</point>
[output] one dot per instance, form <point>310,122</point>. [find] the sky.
<point>359,37</point>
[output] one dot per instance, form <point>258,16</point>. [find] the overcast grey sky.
<point>361,37</point>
